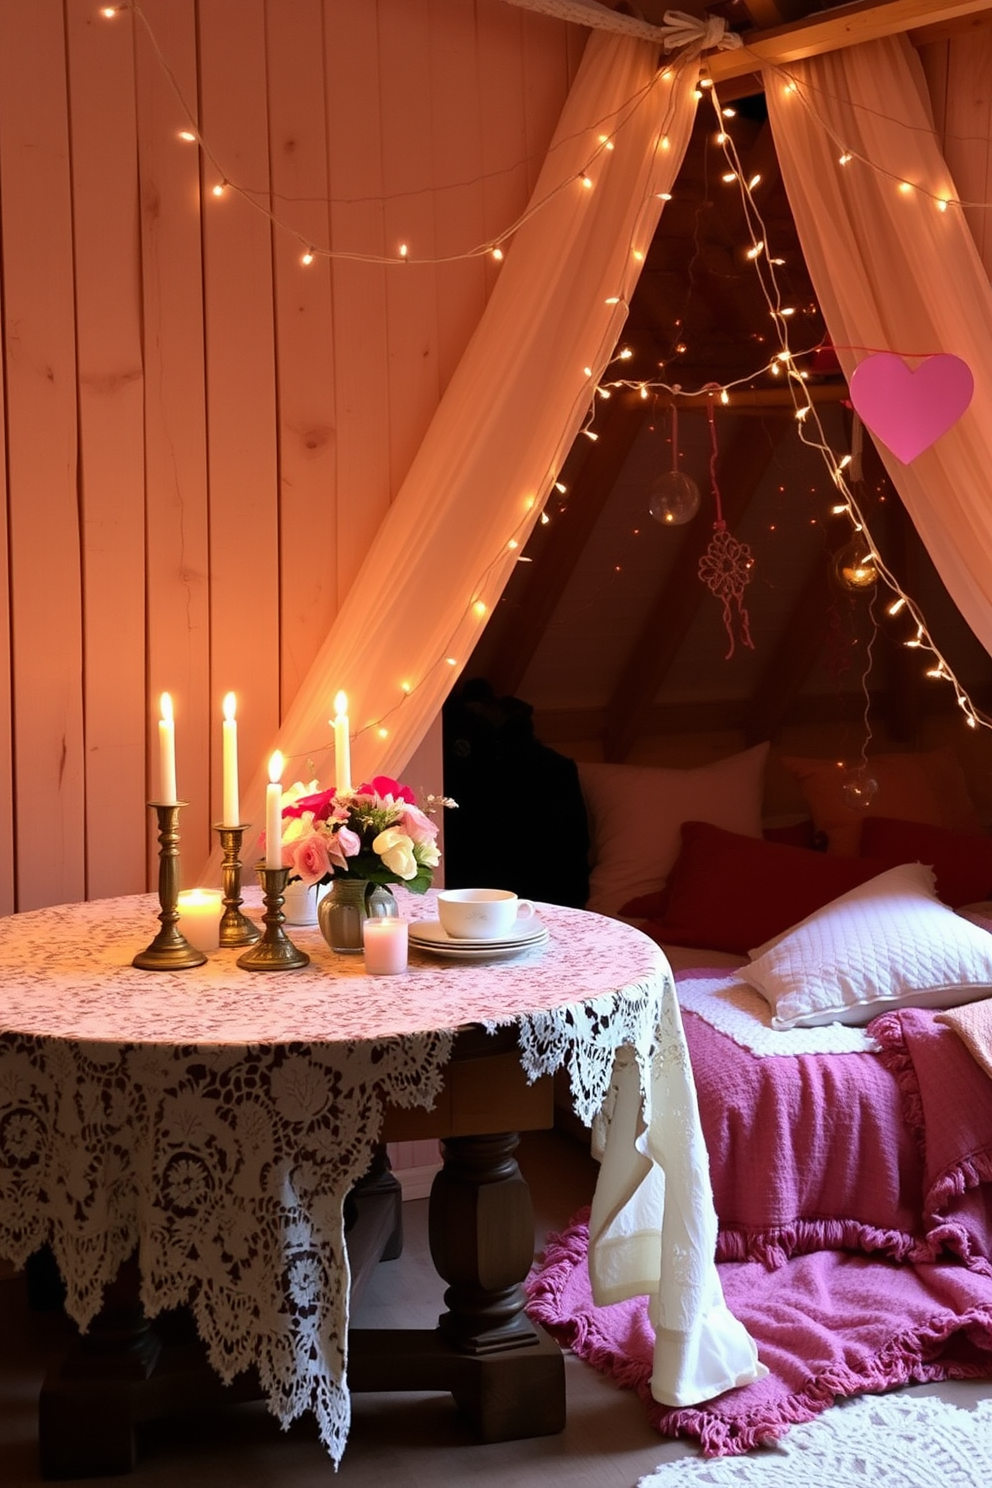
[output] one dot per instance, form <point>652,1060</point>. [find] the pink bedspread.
<point>868,1152</point>
<point>854,1193</point>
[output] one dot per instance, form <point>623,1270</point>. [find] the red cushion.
<point>961,861</point>
<point>728,892</point>
<point>799,834</point>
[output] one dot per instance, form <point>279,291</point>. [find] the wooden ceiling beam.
<point>801,640</point>
<point>516,629</point>
<point>831,30</point>
<point>676,605</point>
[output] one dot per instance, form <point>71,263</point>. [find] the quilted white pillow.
<point>635,812</point>
<point>888,943</point>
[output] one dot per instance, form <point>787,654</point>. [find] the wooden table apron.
<point>189,1139</point>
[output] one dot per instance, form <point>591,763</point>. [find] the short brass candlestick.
<point>275,951</point>
<point>235,928</point>
<point>169,951</point>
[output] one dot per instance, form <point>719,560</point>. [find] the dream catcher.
<point>725,567</point>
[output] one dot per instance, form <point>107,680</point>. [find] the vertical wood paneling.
<point>8,887</point>
<point>111,442</point>
<point>39,347</point>
<point>202,437</point>
<point>354,133</point>
<point>459,218</point>
<point>177,637</point>
<point>548,68</point>
<point>506,176</point>
<point>408,217</point>
<point>240,363</point>
<point>304,335</point>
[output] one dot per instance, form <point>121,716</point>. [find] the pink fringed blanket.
<point>854,1194</point>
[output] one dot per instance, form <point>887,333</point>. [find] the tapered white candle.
<point>273,813</point>
<point>166,753</point>
<point>231,805</point>
<point>342,744</point>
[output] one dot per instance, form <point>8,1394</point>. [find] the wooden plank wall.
<point>201,435</point>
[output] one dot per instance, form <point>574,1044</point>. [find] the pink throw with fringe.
<point>855,1208</point>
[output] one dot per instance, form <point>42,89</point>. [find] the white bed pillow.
<point>635,812</point>
<point>889,943</point>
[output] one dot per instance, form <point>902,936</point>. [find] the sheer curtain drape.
<point>506,421</point>
<point>895,273</point>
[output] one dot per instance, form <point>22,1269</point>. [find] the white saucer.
<point>489,950</point>
<point>432,934</point>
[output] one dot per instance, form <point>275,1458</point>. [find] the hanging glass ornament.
<point>673,497</point>
<point>859,788</point>
<point>853,567</point>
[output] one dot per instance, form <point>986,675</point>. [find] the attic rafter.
<point>829,31</point>
<point>801,640</point>
<point>514,633</point>
<point>678,601</point>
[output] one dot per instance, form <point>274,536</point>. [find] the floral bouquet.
<point>377,833</point>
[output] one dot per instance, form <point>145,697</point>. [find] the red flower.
<point>384,785</point>
<point>321,803</point>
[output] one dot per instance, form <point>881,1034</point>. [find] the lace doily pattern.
<point>899,1440</point>
<point>215,1119</point>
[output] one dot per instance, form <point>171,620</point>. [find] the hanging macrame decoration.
<point>674,496</point>
<point>725,567</point>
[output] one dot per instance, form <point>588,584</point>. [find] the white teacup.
<point>481,914</point>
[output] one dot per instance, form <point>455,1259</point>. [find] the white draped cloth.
<point>895,273</point>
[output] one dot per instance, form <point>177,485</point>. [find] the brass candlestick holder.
<point>275,951</point>
<point>235,928</point>
<point>169,951</point>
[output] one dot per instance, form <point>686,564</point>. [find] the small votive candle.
<point>200,911</point>
<point>385,942</point>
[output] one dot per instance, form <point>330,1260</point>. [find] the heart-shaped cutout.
<point>909,409</point>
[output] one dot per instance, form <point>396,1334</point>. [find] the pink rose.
<point>344,845</point>
<point>310,859</point>
<point>417,826</point>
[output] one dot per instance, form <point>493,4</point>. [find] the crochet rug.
<point>827,1325</point>
<point>890,1441</point>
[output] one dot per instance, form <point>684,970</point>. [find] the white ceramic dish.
<point>432,933</point>
<point>490,950</point>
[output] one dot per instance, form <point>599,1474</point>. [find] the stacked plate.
<point>430,935</point>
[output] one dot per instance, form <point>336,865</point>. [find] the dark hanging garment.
<point>521,821</point>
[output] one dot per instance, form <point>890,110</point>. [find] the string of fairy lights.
<point>784,364</point>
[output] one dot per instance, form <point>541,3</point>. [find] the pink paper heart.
<point>910,409</point>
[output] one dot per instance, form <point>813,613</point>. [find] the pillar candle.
<point>166,753</point>
<point>385,942</point>
<point>231,805</point>
<point>273,813</point>
<point>200,911</point>
<point>342,744</point>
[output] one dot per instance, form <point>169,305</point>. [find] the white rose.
<point>395,849</point>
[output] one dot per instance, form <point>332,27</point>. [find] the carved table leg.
<point>85,1425</point>
<point>505,1373</point>
<point>482,1241</point>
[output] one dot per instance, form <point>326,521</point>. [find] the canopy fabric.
<point>507,419</point>
<point>895,273</point>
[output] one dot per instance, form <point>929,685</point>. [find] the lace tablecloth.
<point>214,1119</point>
